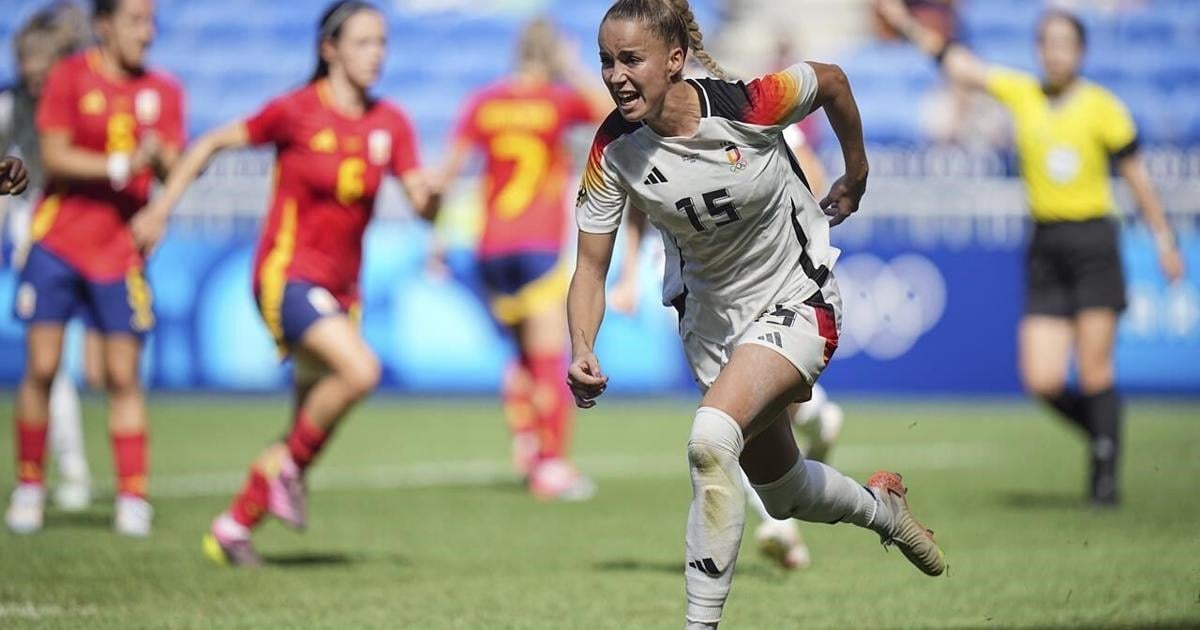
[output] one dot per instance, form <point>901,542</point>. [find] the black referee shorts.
<point>1074,265</point>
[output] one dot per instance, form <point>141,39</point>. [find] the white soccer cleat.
<point>73,496</point>
<point>26,509</point>
<point>74,490</point>
<point>781,542</point>
<point>557,480</point>
<point>133,517</point>
<point>823,430</point>
<point>900,528</point>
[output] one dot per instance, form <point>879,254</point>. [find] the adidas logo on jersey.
<point>705,566</point>
<point>655,177</point>
<point>772,338</point>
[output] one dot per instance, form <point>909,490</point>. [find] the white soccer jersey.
<point>737,218</point>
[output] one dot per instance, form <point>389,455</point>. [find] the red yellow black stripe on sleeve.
<point>613,128</point>
<point>772,98</point>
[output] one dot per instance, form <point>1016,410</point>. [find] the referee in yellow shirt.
<point>1068,132</point>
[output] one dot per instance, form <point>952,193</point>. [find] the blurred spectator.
<point>746,42</point>
<point>951,114</point>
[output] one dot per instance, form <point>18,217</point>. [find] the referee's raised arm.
<point>957,61</point>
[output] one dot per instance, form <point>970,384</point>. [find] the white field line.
<point>32,611</point>
<point>482,472</point>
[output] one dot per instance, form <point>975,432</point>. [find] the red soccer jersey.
<point>87,223</point>
<point>328,170</point>
<point>521,131</point>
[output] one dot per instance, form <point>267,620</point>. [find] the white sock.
<point>812,491</point>
<point>66,432</point>
<point>716,517</point>
<point>755,503</point>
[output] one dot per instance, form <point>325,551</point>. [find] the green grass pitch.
<point>416,522</point>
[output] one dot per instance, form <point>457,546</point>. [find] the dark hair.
<point>330,27</point>
<point>1071,18</point>
<point>104,8</point>
<point>59,28</point>
<point>672,22</point>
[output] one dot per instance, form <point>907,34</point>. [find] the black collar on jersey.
<point>703,94</point>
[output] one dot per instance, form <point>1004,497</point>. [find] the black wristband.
<point>940,57</point>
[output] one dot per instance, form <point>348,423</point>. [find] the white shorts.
<point>805,332</point>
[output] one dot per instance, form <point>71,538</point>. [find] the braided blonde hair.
<point>696,38</point>
<point>673,22</point>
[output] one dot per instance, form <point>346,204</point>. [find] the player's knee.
<point>40,370</point>
<point>93,377</point>
<point>1042,384</point>
<point>39,376</point>
<point>121,379</point>
<point>716,441</point>
<point>363,376</point>
<point>1095,375</point>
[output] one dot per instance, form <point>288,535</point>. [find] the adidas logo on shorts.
<point>772,338</point>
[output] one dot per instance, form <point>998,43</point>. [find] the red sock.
<point>250,505</point>
<point>518,399</point>
<point>31,451</point>
<point>305,440</point>
<point>551,401</point>
<point>129,453</point>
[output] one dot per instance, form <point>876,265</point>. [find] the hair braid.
<point>696,38</point>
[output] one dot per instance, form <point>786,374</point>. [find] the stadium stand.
<point>233,55</point>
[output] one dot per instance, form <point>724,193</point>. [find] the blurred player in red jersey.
<point>335,142</point>
<point>107,127</point>
<point>520,124</point>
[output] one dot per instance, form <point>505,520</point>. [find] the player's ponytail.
<point>330,29</point>
<point>696,38</point>
<point>538,46</point>
<point>673,22</point>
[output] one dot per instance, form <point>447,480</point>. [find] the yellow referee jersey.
<point>1065,147</point>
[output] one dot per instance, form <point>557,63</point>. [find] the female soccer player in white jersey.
<point>819,420</point>
<point>706,161</point>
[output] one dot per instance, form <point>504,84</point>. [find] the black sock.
<point>1073,407</point>
<point>1104,415</point>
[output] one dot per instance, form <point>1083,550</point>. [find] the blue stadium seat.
<point>896,66</point>
<point>1145,27</point>
<point>890,116</point>
<point>234,54</point>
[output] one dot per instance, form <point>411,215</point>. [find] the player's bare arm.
<point>423,193</point>
<point>159,156</point>
<point>585,311</point>
<point>460,150</point>
<point>958,63</point>
<point>150,223</point>
<point>1170,260</point>
<point>13,178</point>
<point>67,162</point>
<point>836,98</point>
